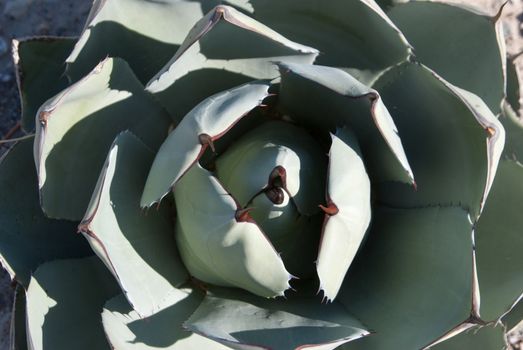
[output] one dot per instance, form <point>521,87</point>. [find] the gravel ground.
<point>22,18</point>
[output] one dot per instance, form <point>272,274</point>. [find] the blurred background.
<point>23,18</point>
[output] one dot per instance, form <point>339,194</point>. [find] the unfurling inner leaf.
<point>275,152</point>
<point>278,171</point>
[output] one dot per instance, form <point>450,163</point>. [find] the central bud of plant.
<point>277,173</point>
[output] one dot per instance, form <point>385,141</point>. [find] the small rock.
<point>15,9</point>
<point>3,46</point>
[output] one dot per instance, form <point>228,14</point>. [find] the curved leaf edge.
<point>375,100</point>
<point>494,18</point>
<point>205,140</point>
<point>234,17</point>
<point>495,133</point>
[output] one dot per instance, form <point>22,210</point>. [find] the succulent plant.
<point>253,174</point>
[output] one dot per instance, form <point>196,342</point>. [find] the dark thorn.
<point>43,117</point>
<point>275,195</point>
<point>331,209</point>
<point>498,14</point>
<point>205,139</point>
<point>278,177</point>
<point>490,131</point>
<point>242,215</point>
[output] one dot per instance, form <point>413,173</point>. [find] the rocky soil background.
<point>23,18</point>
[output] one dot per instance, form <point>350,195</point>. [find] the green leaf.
<point>328,98</point>
<point>64,305</point>
<point>281,147</point>
<point>144,33</point>
<point>40,62</point>
<point>77,128</point>
<point>243,321</point>
<point>138,247</point>
<point>339,29</point>
<point>18,334</point>
<point>513,126</point>
<point>499,243</point>
<point>125,329</point>
<point>412,277</point>
<point>465,47</point>
<point>227,250</point>
<point>27,237</point>
<point>452,140</point>
<point>488,337</point>
<point>514,317</point>
<point>348,211</point>
<point>224,49</point>
<point>205,123</point>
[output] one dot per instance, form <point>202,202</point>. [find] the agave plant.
<point>266,175</point>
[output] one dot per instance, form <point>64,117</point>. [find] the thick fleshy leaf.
<point>514,317</point>
<point>488,337</point>
<point>499,243</point>
<point>226,48</point>
<point>274,147</point>
<point>227,250</point>
<point>137,247</point>
<point>64,304</point>
<point>339,29</point>
<point>513,126</point>
<point>243,321</point>
<point>206,122</point>
<point>17,334</point>
<point>77,127</point>
<point>465,47</point>
<point>452,140</point>
<point>27,237</point>
<point>328,98</point>
<point>40,62</point>
<point>144,33</point>
<point>413,276</point>
<point>125,329</point>
<point>348,212</point>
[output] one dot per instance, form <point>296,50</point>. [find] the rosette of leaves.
<point>266,175</point>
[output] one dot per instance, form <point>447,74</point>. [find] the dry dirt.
<point>22,18</point>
